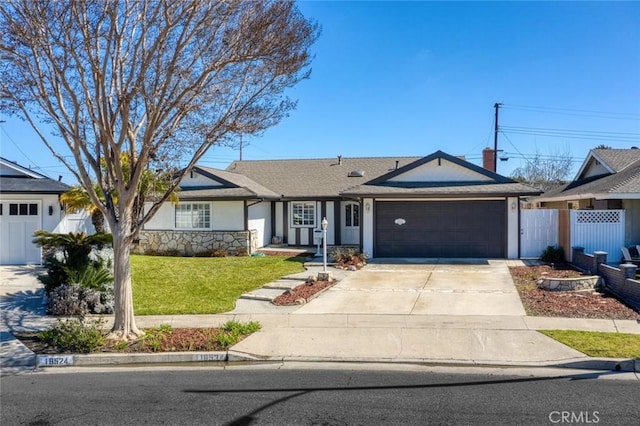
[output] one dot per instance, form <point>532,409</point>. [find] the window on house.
<point>303,214</point>
<point>23,209</point>
<point>193,216</point>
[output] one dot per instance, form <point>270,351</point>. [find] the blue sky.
<point>410,78</point>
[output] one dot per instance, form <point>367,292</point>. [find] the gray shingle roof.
<point>31,185</point>
<point>626,181</point>
<point>315,178</point>
<point>234,186</point>
<point>328,177</point>
<point>618,159</point>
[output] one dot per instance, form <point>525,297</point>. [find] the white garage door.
<point>18,221</point>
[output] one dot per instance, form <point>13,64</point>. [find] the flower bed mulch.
<point>569,304</point>
<point>302,294</point>
<point>177,340</point>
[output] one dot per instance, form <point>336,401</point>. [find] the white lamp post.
<point>324,224</point>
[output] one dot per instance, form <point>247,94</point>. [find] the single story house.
<point>434,206</point>
<point>28,201</point>
<point>608,179</point>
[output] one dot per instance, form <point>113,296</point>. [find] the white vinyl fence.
<point>76,222</point>
<point>538,230</point>
<point>595,230</point>
<point>598,230</point>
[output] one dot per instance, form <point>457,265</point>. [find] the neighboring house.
<point>435,206</point>
<point>608,179</point>
<point>28,201</point>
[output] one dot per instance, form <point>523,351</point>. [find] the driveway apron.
<point>423,287</point>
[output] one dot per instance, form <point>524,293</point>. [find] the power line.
<point>18,148</point>
<point>513,145</point>
<point>572,136</point>
<point>571,131</point>
<point>576,112</point>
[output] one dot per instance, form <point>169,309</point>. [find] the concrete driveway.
<point>423,287</point>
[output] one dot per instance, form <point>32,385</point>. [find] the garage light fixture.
<point>50,210</point>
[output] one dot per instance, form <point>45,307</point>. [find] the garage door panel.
<point>441,229</point>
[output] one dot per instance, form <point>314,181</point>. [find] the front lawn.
<point>599,344</point>
<point>165,285</point>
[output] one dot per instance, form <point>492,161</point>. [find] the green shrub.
<point>73,258</point>
<point>72,299</point>
<point>218,253</point>
<point>348,256</point>
<point>154,337</point>
<point>552,254</point>
<point>232,331</point>
<point>89,276</point>
<point>76,335</point>
<point>241,328</point>
<point>227,339</point>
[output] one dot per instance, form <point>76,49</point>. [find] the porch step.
<point>264,294</point>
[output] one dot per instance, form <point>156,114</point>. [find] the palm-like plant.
<point>77,198</point>
<point>152,183</point>
<point>76,248</point>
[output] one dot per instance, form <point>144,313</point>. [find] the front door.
<point>351,223</point>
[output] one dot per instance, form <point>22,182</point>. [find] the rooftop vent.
<point>356,173</point>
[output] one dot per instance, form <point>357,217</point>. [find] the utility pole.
<point>495,139</point>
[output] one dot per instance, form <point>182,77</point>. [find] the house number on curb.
<point>55,360</point>
<point>400,221</point>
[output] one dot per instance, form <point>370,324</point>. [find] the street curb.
<point>600,364</point>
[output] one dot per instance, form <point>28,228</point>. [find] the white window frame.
<point>306,207</point>
<point>207,207</point>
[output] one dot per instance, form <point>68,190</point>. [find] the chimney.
<point>397,162</point>
<point>339,160</point>
<point>488,159</point>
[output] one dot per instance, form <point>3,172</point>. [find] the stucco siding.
<point>163,219</point>
<point>367,226</point>
<point>227,215</point>
<point>513,228</point>
<point>632,222</point>
<point>260,220</point>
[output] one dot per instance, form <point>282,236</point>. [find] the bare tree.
<point>545,171</point>
<point>158,81</point>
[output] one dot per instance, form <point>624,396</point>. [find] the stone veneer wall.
<point>190,243</point>
<point>620,281</point>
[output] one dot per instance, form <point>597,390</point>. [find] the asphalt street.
<point>277,395</point>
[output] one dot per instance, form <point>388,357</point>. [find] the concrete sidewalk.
<point>505,340</point>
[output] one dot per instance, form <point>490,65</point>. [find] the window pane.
<point>23,209</point>
<point>356,215</point>
<point>33,210</point>
<point>13,210</point>
<point>183,219</point>
<point>347,215</point>
<point>303,214</point>
<point>193,216</point>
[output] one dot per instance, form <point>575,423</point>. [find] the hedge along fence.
<point>620,281</point>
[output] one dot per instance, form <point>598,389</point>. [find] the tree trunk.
<point>97,220</point>
<point>124,327</point>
